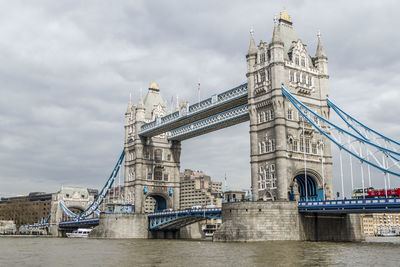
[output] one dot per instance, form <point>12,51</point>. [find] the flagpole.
<point>198,91</point>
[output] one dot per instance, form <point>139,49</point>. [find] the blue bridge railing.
<point>351,205</point>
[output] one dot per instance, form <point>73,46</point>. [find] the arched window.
<point>264,119</point>
<point>298,77</point>
<point>272,144</point>
<point>272,114</point>
<point>309,80</point>
<point>259,117</point>
<point>303,61</point>
<point>259,148</point>
<point>264,147</point>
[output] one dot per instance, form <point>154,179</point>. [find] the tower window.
<point>262,76</point>
<point>295,145</point>
<point>314,149</point>
<point>309,80</point>
<point>298,77</point>
<point>290,114</point>
<point>303,61</point>
<point>297,60</point>
<point>165,176</point>
<point>304,78</point>
<point>158,154</point>
<point>158,175</point>
<point>301,146</point>
<point>291,76</point>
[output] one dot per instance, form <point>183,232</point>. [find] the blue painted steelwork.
<point>235,114</point>
<point>299,105</point>
<point>342,115</point>
<point>180,218</point>
<point>80,223</point>
<point>351,205</point>
<point>232,95</point>
<point>94,206</point>
<point>339,110</point>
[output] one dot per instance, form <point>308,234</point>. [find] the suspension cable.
<point>305,161</point>
<point>341,169</point>
<point>362,174</point>
<point>322,169</point>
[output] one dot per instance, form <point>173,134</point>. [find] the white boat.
<point>81,232</point>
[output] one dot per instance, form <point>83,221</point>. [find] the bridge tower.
<point>286,153</point>
<point>152,164</point>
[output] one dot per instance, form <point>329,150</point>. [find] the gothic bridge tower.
<point>284,157</point>
<point>151,164</point>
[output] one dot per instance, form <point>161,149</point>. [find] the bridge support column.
<point>280,220</point>
<point>331,227</point>
<point>126,225</point>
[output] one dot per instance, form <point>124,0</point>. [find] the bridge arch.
<point>155,202</point>
<point>297,189</point>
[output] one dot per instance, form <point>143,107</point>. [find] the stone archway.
<point>155,203</point>
<point>306,187</point>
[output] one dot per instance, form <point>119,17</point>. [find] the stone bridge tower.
<point>151,164</point>
<point>278,142</point>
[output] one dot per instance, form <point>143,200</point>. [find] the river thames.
<point>100,252</point>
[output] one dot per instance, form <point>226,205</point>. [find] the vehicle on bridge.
<point>361,192</point>
<point>371,192</point>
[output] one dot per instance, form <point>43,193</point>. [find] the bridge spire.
<point>276,37</point>
<point>252,46</point>
<point>140,102</point>
<point>320,53</point>
<point>177,104</point>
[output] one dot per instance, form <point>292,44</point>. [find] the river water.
<point>100,252</point>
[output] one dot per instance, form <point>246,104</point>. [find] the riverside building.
<point>197,189</point>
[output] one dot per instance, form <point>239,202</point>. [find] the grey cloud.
<point>68,68</point>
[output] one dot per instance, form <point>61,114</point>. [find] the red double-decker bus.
<point>378,193</point>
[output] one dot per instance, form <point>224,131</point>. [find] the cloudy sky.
<point>68,67</point>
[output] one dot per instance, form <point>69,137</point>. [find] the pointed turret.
<point>140,108</point>
<point>177,104</point>
<point>276,37</point>
<point>320,53</point>
<point>140,102</point>
<point>129,108</point>
<point>252,47</point>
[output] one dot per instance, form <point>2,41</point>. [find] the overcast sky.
<point>67,68</point>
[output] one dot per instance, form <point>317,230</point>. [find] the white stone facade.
<point>151,164</point>
<point>276,129</point>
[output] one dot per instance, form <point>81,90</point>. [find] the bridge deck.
<point>214,105</point>
<point>373,205</point>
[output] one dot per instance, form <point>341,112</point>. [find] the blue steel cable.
<point>293,100</point>
<point>331,104</point>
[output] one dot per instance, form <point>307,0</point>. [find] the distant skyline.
<point>68,68</point>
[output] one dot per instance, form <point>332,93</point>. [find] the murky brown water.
<point>87,252</point>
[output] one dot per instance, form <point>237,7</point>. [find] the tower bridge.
<point>285,101</point>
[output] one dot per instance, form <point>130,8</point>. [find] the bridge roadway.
<point>173,220</point>
<point>369,205</point>
<point>233,99</point>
